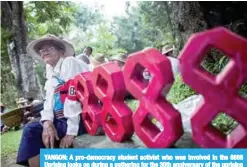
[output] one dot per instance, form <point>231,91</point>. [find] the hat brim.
<point>69,49</point>
<point>167,51</point>
<point>95,62</point>
<point>24,101</point>
<point>117,59</point>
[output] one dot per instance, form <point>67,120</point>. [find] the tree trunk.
<point>187,18</point>
<point>21,63</point>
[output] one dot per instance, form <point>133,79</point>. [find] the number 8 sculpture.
<point>152,103</point>
<point>220,92</point>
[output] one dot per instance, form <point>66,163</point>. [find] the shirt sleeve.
<point>72,109</point>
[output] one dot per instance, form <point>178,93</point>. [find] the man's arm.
<point>49,133</point>
<point>84,58</point>
<point>72,108</point>
<point>47,112</point>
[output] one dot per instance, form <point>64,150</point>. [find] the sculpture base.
<point>87,141</point>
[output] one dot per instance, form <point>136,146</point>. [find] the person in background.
<point>168,51</point>
<point>88,51</point>
<point>120,60</point>
<point>22,102</point>
<point>3,108</point>
<point>98,60</point>
<point>27,111</point>
<point>86,55</point>
<point>147,75</point>
<point>32,101</point>
<point>4,128</point>
<point>60,119</point>
<point>35,109</point>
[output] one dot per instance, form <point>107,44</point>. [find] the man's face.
<point>87,51</point>
<point>49,54</point>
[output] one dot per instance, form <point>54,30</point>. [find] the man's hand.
<point>66,141</point>
<point>49,134</point>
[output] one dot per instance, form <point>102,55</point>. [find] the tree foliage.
<point>149,24</point>
<point>128,32</point>
<point>86,18</point>
<point>45,17</point>
<point>85,25</point>
<point>143,26</point>
<point>40,18</point>
<point>104,40</point>
<point>7,79</point>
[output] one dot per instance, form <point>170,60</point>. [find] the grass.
<point>10,142</point>
<point>243,90</point>
<point>224,123</point>
<point>132,104</point>
<point>179,91</point>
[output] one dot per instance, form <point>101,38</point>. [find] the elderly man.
<point>60,120</point>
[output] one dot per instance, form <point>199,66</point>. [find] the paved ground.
<point>9,161</point>
<point>87,141</point>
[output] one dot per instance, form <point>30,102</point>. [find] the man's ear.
<point>62,52</point>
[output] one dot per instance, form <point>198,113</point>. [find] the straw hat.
<point>99,59</point>
<point>34,46</point>
<point>22,100</point>
<point>122,58</point>
<point>167,48</point>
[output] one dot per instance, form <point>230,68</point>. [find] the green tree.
<point>86,18</point>
<point>19,21</point>
<point>156,15</point>
<point>44,17</point>
<point>104,40</point>
<point>85,24</point>
<point>135,32</point>
<point>128,30</point>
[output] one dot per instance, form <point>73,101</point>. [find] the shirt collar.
<point>57,68</point>
<point>50,71</point>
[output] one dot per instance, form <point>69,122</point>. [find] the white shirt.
<point>66,68</point>
<point>175,65</point>
<point>175,69</point>
<point>83,57</point>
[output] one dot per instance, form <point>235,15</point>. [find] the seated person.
<point>60,119</point>
<point>36,106</point>
<point>4,128</point>
<point>32,101</point>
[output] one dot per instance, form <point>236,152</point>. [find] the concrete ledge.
<point>87,141</point>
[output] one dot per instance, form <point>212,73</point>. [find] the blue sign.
<point>143,158</point>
